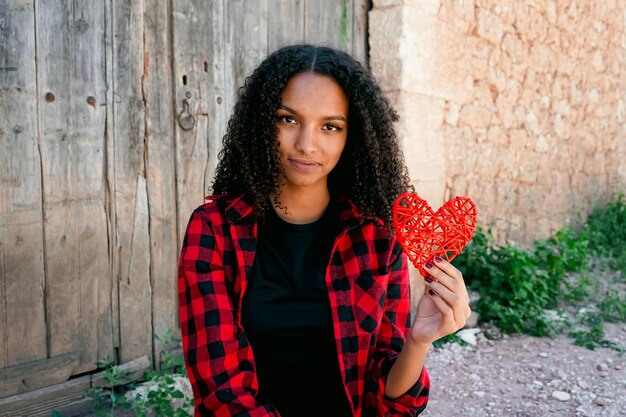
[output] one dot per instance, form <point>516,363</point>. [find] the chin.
<point>302,181</point>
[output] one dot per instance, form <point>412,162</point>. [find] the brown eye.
<point>286,119</point>
<point>332,127</point>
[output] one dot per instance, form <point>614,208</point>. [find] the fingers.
<point>447,290</point>
<point>444,273</point>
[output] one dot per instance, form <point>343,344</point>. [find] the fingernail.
<point>428,265</point>
<point>431,292</point>
<point>438,259</point>
<point>428,279</point>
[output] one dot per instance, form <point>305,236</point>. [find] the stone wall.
<point>518,105</point>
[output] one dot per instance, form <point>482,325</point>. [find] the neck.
<point>300,205</point>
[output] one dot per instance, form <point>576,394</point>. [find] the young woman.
<point>294,294</point>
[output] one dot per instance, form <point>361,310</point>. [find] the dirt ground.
<point>524,376</point>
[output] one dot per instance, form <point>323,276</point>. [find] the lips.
<point>304,164</point>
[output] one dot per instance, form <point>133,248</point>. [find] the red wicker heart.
<point>424,234</point>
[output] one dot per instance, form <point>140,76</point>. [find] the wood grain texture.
<point>247,35</point>
<point>37,374</point>
<point>329,22</point>
<point>131,238</point>
<point>21,230</point>
<point>71,70</point>
<point>97,175</point>
<point>135,290</point>
<point>360,45</point>
<point>197,46</point>
<point>67,398</point>
<point>286,23</point>
<point>160,168</point>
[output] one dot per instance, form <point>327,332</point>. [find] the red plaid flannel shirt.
<point>368,287</point>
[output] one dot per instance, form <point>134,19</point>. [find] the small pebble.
<point>475,377</point>
<point>602,367</point>
<point>543,354</point>
<point>599,402</point>
<point>561,396</point>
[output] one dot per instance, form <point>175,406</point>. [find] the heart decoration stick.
<point>424,234</point>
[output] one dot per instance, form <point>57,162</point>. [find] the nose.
<point>307,140</point>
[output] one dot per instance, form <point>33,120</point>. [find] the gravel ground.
<point>526,376</point>
<point>522,376</point>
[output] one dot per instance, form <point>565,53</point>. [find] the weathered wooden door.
<point>218,44</point>
<point>111,119</point>
<point>55,272</point>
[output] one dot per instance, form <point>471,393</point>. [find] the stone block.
<point>551,12</point>
<point>497,136</point>
<point>515,48</point>
<point>528,103</point>
<point>562,127</point>
<point>531,123</point>
<point>419,131</point>
<point>460,15</point>
<point>504,108</point>
<point>489,26</point>
<point>451,113</point>
<point>475,116</point>
<point>459,154</point>
<point>519,138</point>
<point>409,48</point>
<point>506,195</point>
<point>528,171</point>
<point>487,166</point>
<point>541,144</point>
<point>385,36</point>
<point>530,23</point>
<point>431,191</point>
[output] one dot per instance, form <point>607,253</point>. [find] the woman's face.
<point>312,129</point>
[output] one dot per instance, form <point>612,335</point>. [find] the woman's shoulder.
<point>224,206</point>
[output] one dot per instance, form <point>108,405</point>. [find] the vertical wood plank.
<point>247,35</point>
<point>129,153</point>
<point>160,168</point>
<point>329,22</point>
<point>285,23</point>
<point>109,191</point>
<point>215,90</point>
<point>71,70</point>
<point>199,93</point>
<point>360,45</point>
<point>135,289</point>
<point>21,247</point>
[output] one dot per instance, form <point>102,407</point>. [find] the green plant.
<point>160,395</point>
<point>580,288</point>
<point>451,338</point>
<point>613,307</point>
<point>108,398</point>
<point>163,397</point>
<point>606,227</point>
<point>518,287</point>
<point>593,337</point>
<point>515,285</point>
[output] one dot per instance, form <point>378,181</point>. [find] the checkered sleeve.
<point>217,355</point>
<point>394,328</point>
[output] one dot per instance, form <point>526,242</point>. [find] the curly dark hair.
<point>371,170</point>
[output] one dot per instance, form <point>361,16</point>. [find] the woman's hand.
<point>444,307</point>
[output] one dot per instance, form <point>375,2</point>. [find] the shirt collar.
<point>241,210</point>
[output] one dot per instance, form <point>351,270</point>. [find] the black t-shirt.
<point>287,318</point>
